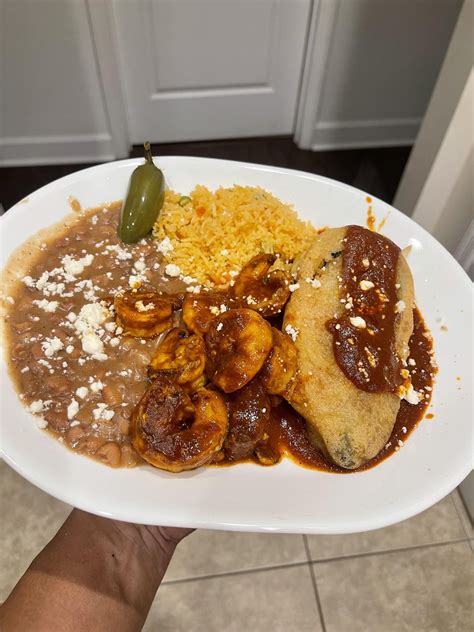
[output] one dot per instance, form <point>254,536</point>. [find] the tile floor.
<point>417,576</point>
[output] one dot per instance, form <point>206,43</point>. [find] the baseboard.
<point>365,133</point>
<point>47,150</point>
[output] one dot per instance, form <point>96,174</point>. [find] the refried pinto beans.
<point>72,365</point>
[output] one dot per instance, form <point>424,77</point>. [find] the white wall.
<point>372,67</point>
<point>51,102</point>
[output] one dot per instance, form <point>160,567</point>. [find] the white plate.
<point>286,497</point>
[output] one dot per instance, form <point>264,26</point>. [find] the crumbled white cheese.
<point>141,307</point>
<point>101,412</point>
<point>96,387</point>
<point>25,369</point>
<point>292,332</point>
<point>165,246</point>
<point>214,310</point>
<point>188,279</point>
<point>82,392</point>
<point>134,281</point>
<point>366,285</point>
<point>316,283</point>
<point>224,252</point>
<point>92,344</point>
<point>72,409</point>
<point>41,423</point>
<point>10,299</point>
<point>293,287</point>
<point>409,394</point>
<point>411,362</point>
<point>51,346</point>
<point>90,317</point>
<point>139,265</point>
<point>357,321</point>
<point>73,267</point>
<point>365,263</point>
<point>37,406</point>
<point>172,270</point>
<point>219,326</point>
<point>47,306</point>
<point>120,253</point>
<point>71,317</point>
<point>74,423</point>
<point>28,281</point>
<point>399,307</point>
<point>69,349</point>
<point>114,342</point>
<point>110,326</point>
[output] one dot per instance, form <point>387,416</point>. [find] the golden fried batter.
<point>350,425</point>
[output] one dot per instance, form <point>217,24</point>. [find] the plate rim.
<point>130,162</point>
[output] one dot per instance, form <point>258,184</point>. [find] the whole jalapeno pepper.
<point>143,202</point>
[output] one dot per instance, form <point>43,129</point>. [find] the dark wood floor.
<point>377,171</point>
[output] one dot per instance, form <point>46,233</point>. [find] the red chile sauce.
<point>367,355</point>
<point>287,429</point>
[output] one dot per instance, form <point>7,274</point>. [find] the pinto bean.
<point>109,454</point>
<point>73,435</point>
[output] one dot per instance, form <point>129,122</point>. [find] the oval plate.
<point>284,498</point>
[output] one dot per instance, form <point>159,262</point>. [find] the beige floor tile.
<point>28,520</point>
<point>279,600</point>
<point>209,552</point>
<point>437,524</point>
<point>463,515</point>
<point>423,590</point>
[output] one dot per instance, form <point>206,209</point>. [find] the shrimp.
<point>280,366</point>
<point>143,313</point>
<point>176,432</point>
<point>183,354</point>
<point>249,412</point>
<point>237,343</point>
<point>264,291</point>
<point>199,311</point>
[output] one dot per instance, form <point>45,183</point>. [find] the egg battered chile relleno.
<point>353,319</point>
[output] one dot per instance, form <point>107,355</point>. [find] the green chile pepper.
<point>143,202</point>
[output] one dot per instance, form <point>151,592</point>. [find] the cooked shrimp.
<point>143,313</point>
<point>182,353</point>
<point>237,343</point>
<point>249,412</point>
<point>199,311</point>
<point>175,432</point>
<point>280,366</point>
<point>264,291</point>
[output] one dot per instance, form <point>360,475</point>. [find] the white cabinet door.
<point>205,69</point>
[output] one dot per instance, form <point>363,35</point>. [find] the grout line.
<point>315,584</point>
<point>246,571</point>
<point>402,549</point>
<point>462,513</point>
<point>311,562</point>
